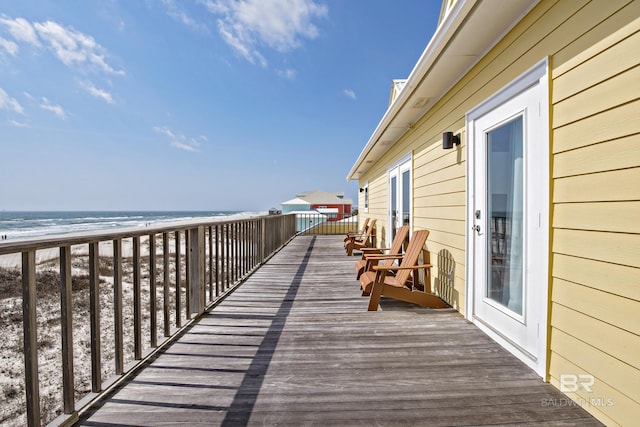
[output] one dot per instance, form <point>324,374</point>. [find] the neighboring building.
<point>296,204</point>
<point>537,210</point>
<point>334,205</point>
<point>316,207</point>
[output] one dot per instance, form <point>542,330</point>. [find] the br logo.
<point>570,383</point>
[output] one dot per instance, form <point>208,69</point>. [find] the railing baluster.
<point>245,247</point>
<point>217,259</point>
<point>178,274</point>
<point>196,270</point>
<point>66,317</point>
<point>94,314</point>
<point>229,256</point>
<point>230,250</point>
<point>117,306</point>
<point>137,305</point>
<point>223,254</point>
<point>153,318</point>
<point>211,292</point>
<point>29,313</point>
<point>166,284</point>
<point>187,263</point>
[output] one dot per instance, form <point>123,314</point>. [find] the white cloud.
<point>178,140</point>
<point>18,124</point>
<point>21,30</point>
<point>349,94</point>
<point>97,93</point>
<point>9,104</point>
<point>277,24</point>
<point>55,109</point>
<point>175,12</point>
<point>287,74</point>
<point>73,47</point>
<point>8,46</point>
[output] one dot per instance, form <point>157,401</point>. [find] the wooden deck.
<point>294,345</point>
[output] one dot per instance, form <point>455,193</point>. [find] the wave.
<point>19,225</point>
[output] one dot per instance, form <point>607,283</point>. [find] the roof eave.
<point>441,65</point>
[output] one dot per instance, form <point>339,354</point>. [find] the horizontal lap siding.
<point>439,205</point>
<point>595,311</point>
<point>592,49</point>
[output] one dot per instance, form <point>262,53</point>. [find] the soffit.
<point>468,32</point>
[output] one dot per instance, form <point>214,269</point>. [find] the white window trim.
<point>365,198</point>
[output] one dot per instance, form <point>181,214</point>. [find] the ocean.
<point>18,225</point>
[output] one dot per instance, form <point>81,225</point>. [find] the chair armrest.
<point>384,256</point>
<point>374,249</point>
<point>398,267</point>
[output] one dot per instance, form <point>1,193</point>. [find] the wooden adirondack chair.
<point>399,286</point>
<point>352,234</point>
<point>367,240</point>
<point>373,256</point>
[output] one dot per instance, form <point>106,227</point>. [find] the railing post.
<point>196,269</point>
<point>66,316</point>
<point>30,342</point>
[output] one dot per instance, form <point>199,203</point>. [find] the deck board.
<point>294,345</point>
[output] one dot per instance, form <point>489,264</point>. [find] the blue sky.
<point>194,104</point>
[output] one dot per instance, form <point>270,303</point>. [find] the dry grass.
<point>12,409</point>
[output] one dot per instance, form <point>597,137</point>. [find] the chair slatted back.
<point>396,245</point>
<point>367,235</point>
<point>365,224</point>
<point>414,249</point>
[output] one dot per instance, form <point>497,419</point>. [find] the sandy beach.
<point>105,248</point>
<point>12,411</point>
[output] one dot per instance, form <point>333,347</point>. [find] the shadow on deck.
<point>295,345</point>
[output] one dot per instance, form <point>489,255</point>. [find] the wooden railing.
<point>194,264</point>
<point>316,223</point>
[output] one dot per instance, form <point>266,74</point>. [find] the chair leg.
<point>366,288</point>
<point>374,298</point>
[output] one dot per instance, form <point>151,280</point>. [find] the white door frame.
<point>397,169</point>
<point>535,79</point>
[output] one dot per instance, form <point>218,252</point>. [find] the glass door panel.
<point>393,205</point>
<point>406,197</point>
<point>505,215</point>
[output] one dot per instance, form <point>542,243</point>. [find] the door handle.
<point>476,228</point>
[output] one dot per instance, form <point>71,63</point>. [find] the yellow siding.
<point>620,217</point>
<point>623,408</point>
<point>608,125</point>
<point>592,48</point>
<point>595,299</point>
<point>598,275</point>
<point>619,153</point>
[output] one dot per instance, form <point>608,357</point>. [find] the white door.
<point>399,196</point>
<point>508,214</point>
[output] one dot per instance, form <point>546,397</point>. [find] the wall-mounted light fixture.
<point>448,139</point>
